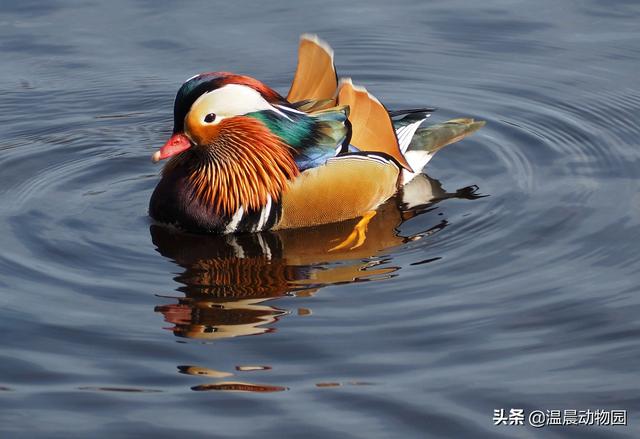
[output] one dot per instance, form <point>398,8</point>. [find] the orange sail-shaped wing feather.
<point>315,76</point>
<point>372,127</point>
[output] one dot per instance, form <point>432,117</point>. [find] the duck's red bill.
<point>175,145</point>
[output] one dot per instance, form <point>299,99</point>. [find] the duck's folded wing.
<point>344,187</point>
<point>314,138</point>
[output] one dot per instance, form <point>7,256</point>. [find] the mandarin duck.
<point>243,158</point>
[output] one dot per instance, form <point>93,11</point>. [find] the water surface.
<point>514,284</point>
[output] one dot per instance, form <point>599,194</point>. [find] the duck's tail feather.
<point>429,140</point>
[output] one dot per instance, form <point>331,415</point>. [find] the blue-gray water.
<point>526,298</point>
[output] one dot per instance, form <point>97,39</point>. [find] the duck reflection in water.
<point>228,280</point>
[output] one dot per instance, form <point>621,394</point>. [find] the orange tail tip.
<point>317,41</point>
<point>372,128</point>
<point>315,76</point>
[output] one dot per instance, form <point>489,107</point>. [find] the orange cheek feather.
<point>201,133</point>
<point>248,164</point>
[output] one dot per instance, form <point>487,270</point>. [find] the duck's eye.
<point>210,117</point>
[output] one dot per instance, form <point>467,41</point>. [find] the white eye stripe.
<point>231,100</point>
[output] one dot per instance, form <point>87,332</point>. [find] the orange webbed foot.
<point>359,234</point>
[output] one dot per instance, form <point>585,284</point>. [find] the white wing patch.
<point>405,134</point>
<point>418,160</point>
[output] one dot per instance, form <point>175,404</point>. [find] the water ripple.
<point>518,290</point>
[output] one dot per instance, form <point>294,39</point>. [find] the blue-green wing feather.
<point>315,137</point>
